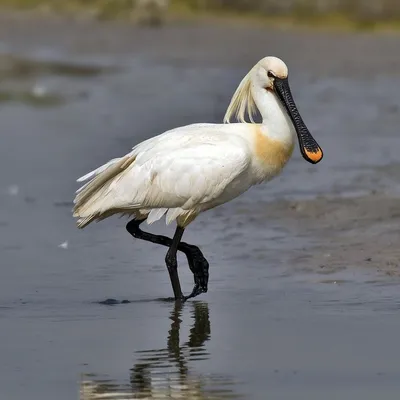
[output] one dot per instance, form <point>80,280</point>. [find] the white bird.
<point>188,170</point>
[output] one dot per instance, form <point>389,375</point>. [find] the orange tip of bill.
<point>314,156</point>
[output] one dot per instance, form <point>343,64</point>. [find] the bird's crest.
<point>242,102</point>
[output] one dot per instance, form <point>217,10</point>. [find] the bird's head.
<point>271,74</point>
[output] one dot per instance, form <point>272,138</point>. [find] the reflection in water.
<point>166,373</point>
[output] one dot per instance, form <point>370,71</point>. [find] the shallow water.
<point>298,305</point>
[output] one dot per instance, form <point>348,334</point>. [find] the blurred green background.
<point>358,13</point>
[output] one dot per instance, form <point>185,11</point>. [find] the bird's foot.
<point>200,285</point>
<point>197,290</point>
<point>200,275</point>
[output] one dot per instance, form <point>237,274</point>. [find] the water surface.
<point>304,291</point>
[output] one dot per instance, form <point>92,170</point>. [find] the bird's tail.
<point>93,200</point>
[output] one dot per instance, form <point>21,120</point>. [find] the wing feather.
<point>190,175</point>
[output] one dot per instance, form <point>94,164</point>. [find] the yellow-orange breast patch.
<point>270,152</point>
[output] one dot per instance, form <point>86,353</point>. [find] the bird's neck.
<point>275,119</point>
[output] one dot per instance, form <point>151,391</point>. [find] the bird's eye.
<point>270,74</point>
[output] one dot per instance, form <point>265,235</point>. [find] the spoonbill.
<point>191,169</point>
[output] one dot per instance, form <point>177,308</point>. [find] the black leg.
<point>197,262</point>
<point>172,263</point>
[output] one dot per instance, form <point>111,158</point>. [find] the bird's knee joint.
<point>194,249</point>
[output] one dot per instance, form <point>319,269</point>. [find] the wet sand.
<point>304,287</point>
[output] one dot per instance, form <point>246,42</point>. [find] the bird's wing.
<point>170,139</point>
<point>188,175</point>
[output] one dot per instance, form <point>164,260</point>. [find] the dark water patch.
<point>114,302</point>
<point>12,247</point>
<point>30,98</point>
<point>330,269</point>
<point>14,67</point>
<point>29,199</point>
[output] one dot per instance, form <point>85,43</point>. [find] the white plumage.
<point>193,168</point>
<point>179,173</point>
